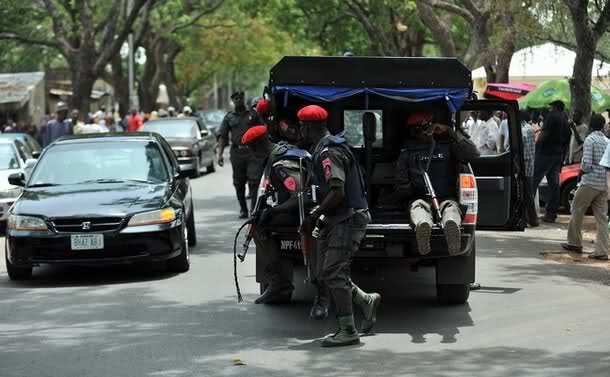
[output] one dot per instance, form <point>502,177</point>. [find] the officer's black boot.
<point>319,309</point>
<point>278,291</point>
<point>240,191</point>
<point>274,295</point>
<point>346,336</point>
<point>368,303</point>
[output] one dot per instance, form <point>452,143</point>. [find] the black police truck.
<point>368,100</point>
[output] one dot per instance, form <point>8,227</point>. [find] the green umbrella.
<point>559,90</point>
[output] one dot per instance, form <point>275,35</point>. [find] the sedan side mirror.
<point>36,154</point>
<point>17,179</point>
<point>205,133</point>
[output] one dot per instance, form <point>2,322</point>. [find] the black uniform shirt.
<point>334,165</point>
<point>234,126</point>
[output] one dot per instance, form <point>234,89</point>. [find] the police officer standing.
<point>246,169</point>
<point>342,216</point>
<point>284,174</point>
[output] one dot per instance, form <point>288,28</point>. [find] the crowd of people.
<point>66,122</point>
<point>552,140</point>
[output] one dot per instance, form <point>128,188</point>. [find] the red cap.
<point>253,134</point>
<point>263,106</point>
<point>312,113</point>
<point>419,118</point>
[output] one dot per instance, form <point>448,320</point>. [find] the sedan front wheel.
<point>181,263</point>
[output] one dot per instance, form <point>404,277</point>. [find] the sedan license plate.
<point>87,241</point>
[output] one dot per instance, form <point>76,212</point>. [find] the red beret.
<point>253,134</point>
<point>312,113</point>
<point>419,118</point>
<point>263,106</point>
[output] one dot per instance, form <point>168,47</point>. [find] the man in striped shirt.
<point>592,192</point>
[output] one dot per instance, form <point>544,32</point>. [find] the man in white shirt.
<point>487,134</point>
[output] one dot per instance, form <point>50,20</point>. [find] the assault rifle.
<point>305,237</point>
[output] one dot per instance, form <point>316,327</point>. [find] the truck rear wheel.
<point>453,294</point>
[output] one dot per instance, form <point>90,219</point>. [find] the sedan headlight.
<point>183,152</point>
<point>17,222</point>
<point>162,216</point>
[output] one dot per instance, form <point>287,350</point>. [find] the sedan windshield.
<point>8,158</point>
<point>184,128</point>
<point>105,162</point>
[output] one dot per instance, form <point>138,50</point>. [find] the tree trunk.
<point>439,28</point>
<point>82,85</point>
<point>580,83</point>
<point>120,84</point>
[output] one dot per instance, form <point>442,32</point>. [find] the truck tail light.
<point>469,197</point>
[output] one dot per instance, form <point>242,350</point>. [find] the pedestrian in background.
<point>591,192</point>
<point>551,149</point>
<point>134,121</point>
<point>529,155</point>
<point>58,127</point>
<point>487,134</point>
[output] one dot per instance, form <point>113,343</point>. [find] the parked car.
<point>101,199</point>
<point>26,139</point>
<point>568,180</point>
<point>12,161</point>
<point>191,141</point>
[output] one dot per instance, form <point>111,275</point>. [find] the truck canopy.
<point>329,79</point>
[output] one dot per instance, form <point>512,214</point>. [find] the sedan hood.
<point>180,142</point>
<point>92,200</point>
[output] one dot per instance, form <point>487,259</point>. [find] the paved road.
<point>532,318</point>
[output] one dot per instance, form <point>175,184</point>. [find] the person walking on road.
<point>591,192</point>
<point>342,216</point>
<point>246,168</point>
<point>58,127</point>
<point>551,148</point>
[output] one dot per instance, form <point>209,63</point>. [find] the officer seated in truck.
<point>437,149</point>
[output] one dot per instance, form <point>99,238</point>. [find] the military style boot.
<point>278,291</point>
<point>423,231</point>
<point>319,309</point>
<point>368,303</point>
<point>453,236</point>
<point>346,336</point>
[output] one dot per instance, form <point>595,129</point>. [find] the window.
<point>488,130</point>
<point>353,130</point>
<point>76,163</point>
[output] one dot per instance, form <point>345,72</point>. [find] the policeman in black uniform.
<point>246,169</point>
<point>437,149</point>
<point>281,164</point>
<point>342,217</point>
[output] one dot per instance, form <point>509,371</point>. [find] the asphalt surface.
<point>531,318</point>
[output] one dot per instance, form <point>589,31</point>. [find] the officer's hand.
<point>265,217</point>
<point>440,128</point>
<point>221,160</point>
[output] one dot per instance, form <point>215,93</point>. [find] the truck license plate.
<point>87,241</point>
<point>290,245</point>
